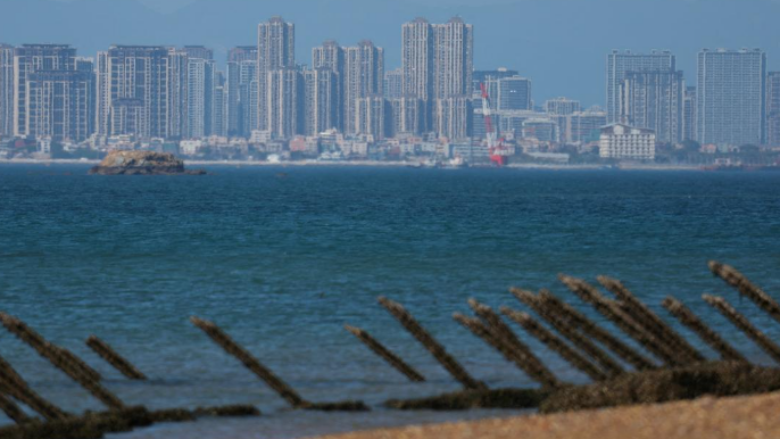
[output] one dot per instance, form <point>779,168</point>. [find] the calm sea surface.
<point>282,258</point>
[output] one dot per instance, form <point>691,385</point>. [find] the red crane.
<point>498,153</point>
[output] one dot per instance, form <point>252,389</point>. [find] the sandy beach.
<point>753,417</point>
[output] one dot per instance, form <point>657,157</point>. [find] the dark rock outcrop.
<point>142,163</point>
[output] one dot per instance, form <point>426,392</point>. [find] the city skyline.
<point>561,65</point>
<point>169,92</point>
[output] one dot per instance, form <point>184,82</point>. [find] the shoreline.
<point>705,418</point>
<point>377,164</point>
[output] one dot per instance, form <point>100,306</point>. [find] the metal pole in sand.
<point>695,324</point>
<point>434,347</point>
<point>481,330</point>
<point>555,344</point>
<point>504,334</point>
<point>45,348</point>
<point>107,353</point>
<point>231,347</point>
<point>650,320</point>
<point>63,360</point>
<point>737,280</point>
<point>744,325</point>
<point>591,329</point>
<point>394,360</point>
<point>611,367</point>
<point>625,323</point>
<point>14,385</point>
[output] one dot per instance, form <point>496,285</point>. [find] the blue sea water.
<point>282,258</point>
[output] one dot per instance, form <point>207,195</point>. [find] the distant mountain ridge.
<point>560,44</point>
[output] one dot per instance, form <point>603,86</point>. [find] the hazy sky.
<point>560,44</point>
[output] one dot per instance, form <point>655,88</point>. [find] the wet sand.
<point>705,418</point>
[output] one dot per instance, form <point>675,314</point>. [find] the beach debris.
<point>474,399</point>
<point>746,288</point>
<point>744,325</point>
<point>582,323</point>
<point>106,352</point>
<point>524,355</point>
<point>650,320</point>
<point>610,310</point>
<point>665,385</point>
<point>695,324</point>
<point>555,344</point>
<point>434,347</point>
<point>610,366</point>
<point>280,387</point>
<point>64,360</point>
<point>394,360</point>
<point>13,385</point>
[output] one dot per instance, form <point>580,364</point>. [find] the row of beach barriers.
<point>666,367</point>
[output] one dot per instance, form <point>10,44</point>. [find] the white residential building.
<point>620,141</point>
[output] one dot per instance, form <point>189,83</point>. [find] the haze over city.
<point>560,44</point>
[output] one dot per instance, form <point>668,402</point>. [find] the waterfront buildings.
<point>371,117</point>
<point>619,141</point>
<point>268,103</point>
<point>653,99</point>
<point>241,94</point>
<point>561,106</point>
<point>773,109</point>
<point>540,128</point>
<point>509,92</point>
<point>284,102</point>
<point>585,126</point>
<point>275,68</point>
<point>198,52</point>
<point>453,60</point>
<point>219,115</point>
<point>102,94</point>
<point>201,88</point>
<point>179,76</point>
<point>453,117</point>
<point>359,72</point>
<point>394,84</point>
<point>730,96</point>
<point>479,77</point>
<point>323,109</point>
<point>407,116</point>
<point>59,105</point>
<point>620,63</point>
<point>330,56</point>
<point>437,62</point>
<point>417,59</point>
<point>138,91</point>
<point>689,114</point>
<point>364,75</point>
<point>28,60</point>
<point>6,89</point>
